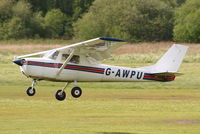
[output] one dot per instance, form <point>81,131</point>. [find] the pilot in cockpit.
<point>75,59</point>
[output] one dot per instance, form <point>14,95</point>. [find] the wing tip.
<point>112,39</point>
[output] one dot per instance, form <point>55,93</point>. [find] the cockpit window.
<point>75,59</point>
<point>54,55</point>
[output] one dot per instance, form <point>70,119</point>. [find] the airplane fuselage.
<point>46,69</point>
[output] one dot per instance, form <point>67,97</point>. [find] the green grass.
<point>104,108</point>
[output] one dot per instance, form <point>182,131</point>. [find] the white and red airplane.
<point>80,62</point>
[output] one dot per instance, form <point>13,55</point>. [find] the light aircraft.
<point>81,62</point>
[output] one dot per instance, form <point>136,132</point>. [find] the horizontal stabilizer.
<point>164,77</point>
<point>168,74</point>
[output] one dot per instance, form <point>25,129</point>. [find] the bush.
<point>54,23</point>
<point>16,29</point>
<point>22,9</point>
<point>134,20</point>
<point>187,22</point>
<point>6,9</point>
<point>16,20</point>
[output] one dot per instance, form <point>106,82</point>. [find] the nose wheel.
<point>30,91</point>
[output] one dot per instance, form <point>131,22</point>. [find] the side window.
<point>75,59</point>
<point>64,57</point>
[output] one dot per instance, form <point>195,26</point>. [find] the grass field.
<point>104,108</point>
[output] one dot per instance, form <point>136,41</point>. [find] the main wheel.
<point>30,91</point>
<point>76,92</point>
<point>60,95</point>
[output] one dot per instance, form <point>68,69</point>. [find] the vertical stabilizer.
<point>172,59</point>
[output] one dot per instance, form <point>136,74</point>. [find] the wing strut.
<point>65,63</point>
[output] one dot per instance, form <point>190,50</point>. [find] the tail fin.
<point>166,69</point>
<point>171,60</point>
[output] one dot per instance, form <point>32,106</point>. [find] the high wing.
<point>98,48</point>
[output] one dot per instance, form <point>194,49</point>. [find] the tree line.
<point>133,20</point>
<point>21,19</point>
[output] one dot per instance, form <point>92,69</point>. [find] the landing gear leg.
<point>31,90</point>
<point>76,91</point>
<point>60,94</point>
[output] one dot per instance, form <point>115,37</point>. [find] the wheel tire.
<point>60,95</point>
<point>76,92</point>
<point>30,91</point>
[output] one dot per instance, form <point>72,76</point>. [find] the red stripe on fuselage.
<point>41,64</point>
<point>82,68</point>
